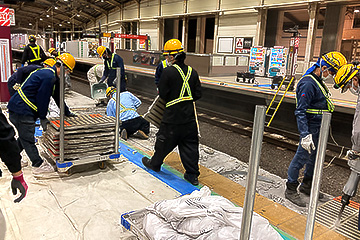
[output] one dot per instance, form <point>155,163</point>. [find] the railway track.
<point>275,136</point>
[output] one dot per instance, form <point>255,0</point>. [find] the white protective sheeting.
<point>202,216</point>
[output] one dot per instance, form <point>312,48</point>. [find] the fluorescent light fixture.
<point>60,24</point>
<point>41,19</point>
<point>30,23</point>
<point>49,26</point>
<point>68,22</point>
<point>78,15</point>
<point>56,7</point>
<point>356,10</point>
<point>47,15</point>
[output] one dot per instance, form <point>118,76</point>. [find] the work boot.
<point>140,134</point>
<point>293,196</point>
<point>305,187</point>
<point>147,163</point>
<point>123,134</point>
<point>193,179</point>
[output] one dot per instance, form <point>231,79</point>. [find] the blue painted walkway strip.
<point>177,183</point>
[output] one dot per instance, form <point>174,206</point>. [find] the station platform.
<point>88,203</point>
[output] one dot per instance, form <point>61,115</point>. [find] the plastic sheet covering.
<point>202,216</point>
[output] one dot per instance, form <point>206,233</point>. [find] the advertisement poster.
<point>5,60</point>
<point>4,17</point>
<point>277,61</point>
<point>257,61</point>
<point>146,58</point>
<point>243,45</point>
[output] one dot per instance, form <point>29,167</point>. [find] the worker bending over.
<point>18,77</point>
<point>31,101</point>
<point>131,122</point>
<point>111,62</point>
<point>54,53</point>
<point>179,86</point>
<point>312,100</point>
<point>33,53</point>
<point>94,76</point>
<point>10,155</point>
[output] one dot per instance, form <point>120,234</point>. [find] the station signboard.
<point>4,17</point>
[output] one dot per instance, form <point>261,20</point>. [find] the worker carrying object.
<point>179,86</point>
<point>111,62</point>
<point>312,100</point>
<point>18,77</point>
<point>348,78</point>
<point>10,155</point>
<point>131,122</point>
<point>31,101</point>
<point>33,53</point>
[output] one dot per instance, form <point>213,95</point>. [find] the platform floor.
<point>88,203</point>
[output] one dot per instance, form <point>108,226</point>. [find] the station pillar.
<point>5,54</point>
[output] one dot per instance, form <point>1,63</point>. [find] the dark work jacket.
<point>28,55</point>
<point>170,86</point>
<point>21,74</point>
<point>38,88</point>
<point>309,96</point>
<point>110,73</point>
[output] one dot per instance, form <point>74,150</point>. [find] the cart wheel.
<point>102,165</point>
<point>272,86</point>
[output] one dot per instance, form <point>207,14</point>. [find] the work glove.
<point>22,65</point>
<point>71,114</point>
<point>16,86</point>
<point>307,143</point>
<point>43,123</point>
<point>18,182</point>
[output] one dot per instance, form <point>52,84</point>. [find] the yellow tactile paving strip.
<point>285,219</point>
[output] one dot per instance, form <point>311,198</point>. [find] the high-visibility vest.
<point>23,96</point>
<point>123,107</point>
<point>326,94</point>
<point>164,63</point>
<point>185,87</point>
<point>36,56</point>
<point>110,66</point>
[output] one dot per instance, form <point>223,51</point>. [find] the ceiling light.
<point>65,0</point>
<point>60,24</point>
<point>47,15</point>
<point>356,10</point>
<point>78,15</point>
<point>102,0</point>
<point>41,19</point>
<point>56,7</point>
<point>49,26</point>
<point>30,23</point>
<point>68,22</point>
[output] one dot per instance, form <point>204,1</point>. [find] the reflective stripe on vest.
<point>111,63</point>
<point>36,56</point>
<point>23,96</point>
<point>185,86</point>
<point>330,103</point>
<point>164,63</point>
<point>124,108</point>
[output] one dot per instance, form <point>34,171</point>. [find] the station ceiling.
<point>59,14</point>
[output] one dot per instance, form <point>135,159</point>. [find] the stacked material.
<point>84,135</point>
<point>155,112</point>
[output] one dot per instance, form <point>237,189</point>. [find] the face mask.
<point>354,90</point>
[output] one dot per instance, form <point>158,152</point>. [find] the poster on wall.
<point>277,61</point>
<point>12,16</point>
<point>225,44</point>
<point>4,17</point>
<point>243,45</point>
<point>5,60</point>
<point>257,60</point>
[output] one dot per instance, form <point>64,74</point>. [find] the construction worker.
<point>179,87</point>
<point>53,52</point>
<point>348,78</point>
<point>94,75</point>
<point>18,77</point>
<point>163,64</point>
<point>10,155</point>
<point>33,53</point>
<point>312,99</point>
<point>31,101</point>
<point>131,122</point>
<point>111,62</point>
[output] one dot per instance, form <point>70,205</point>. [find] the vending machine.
<point>257,61</point>
<point>277,61</point>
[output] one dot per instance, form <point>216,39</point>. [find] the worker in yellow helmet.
<point>111,62</point>
<point>312,100</point>
<point>53,52</point>
<point>179,87</point>
<point>33,53</point>
<point>31,101</point>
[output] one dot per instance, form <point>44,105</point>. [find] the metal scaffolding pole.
<point>254,160</point>
<point>320,157</point>
<point>62,111</point>
<point>117,121</point>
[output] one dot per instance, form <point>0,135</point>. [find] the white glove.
<point>307,143</point>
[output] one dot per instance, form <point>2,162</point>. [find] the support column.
<point>184,38</point>
<point>202,34</point>
<point>260,27</point>
<point>279,31</point>
<point>311,35</point>
<point>198,32</point>
<point>36,27</point>
<point>160,25</point>
<point>333,28</point>
<point>216,27</point>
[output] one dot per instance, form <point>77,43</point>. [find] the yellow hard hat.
<point>68,60</point>
<point>51,50</point>
<point>110,91</point>
<point>50,62</point>
<point>173,46</point>
<point>100,50</point>
<point>335,59</point>
<point>32,38</point>
<point>344,75</point>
